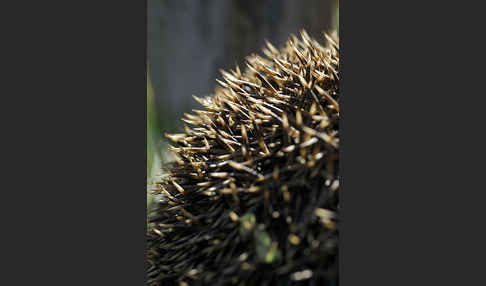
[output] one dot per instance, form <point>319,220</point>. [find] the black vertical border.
<point>79,212</point>
<point>410,148</point>
<point>342,142</point>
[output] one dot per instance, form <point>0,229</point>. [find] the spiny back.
<point>252,198</point>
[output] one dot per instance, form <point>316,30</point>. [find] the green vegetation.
<point>153,136</point>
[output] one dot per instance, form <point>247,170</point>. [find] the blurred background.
<point>189,41</point>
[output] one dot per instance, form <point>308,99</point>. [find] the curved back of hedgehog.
<point>252,197</point>
<point>189,41</point>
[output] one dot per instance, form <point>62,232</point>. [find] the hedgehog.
<point>252,197</point>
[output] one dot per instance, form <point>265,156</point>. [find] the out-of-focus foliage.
<point>335,21</point>
<point>151,127</point>
<point>152,135</point>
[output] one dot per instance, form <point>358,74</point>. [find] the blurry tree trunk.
<point>190,41</point>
